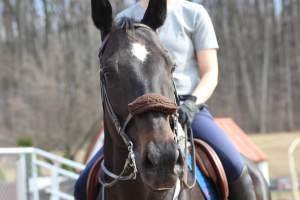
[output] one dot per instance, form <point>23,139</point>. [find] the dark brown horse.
<point>140,144</point>
<point>141,157</point>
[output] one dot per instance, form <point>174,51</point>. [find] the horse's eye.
<point>172,122</point>
<point>107,75</point>
<point>173,68</point>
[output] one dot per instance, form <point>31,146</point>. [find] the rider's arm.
<point>206,45</point>
<point>208,69</point>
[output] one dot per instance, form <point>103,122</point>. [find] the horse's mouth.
<point>160,186</point>
<point>160,181</point>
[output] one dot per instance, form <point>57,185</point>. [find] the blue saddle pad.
<point>207,187</point>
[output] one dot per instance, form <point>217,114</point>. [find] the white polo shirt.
<point>187,30</point>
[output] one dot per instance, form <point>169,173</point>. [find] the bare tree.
<point>50,77</point>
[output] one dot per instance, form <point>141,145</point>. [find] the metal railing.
<point>38,171</point>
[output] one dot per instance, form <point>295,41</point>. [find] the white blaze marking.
<point>139,51</point>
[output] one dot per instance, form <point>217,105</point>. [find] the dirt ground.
<point>276,147</point>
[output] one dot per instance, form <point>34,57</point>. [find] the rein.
<point>144,103</point>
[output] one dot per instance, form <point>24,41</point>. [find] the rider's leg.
<point>80,185</point>
<point>240,183</point>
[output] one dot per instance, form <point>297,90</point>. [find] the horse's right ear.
<point>155,14</point>
<point>102,16</point>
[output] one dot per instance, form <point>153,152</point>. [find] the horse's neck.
<point>115,157</point>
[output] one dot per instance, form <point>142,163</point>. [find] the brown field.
<point>276,147</point>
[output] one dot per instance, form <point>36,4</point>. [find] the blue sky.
<point>278,6</point>
<point>40,7</point>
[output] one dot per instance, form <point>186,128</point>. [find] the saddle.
<point>211,166</point>
<point>206,159</point>
<point>93,185</point>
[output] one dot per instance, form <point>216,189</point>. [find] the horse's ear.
<point>155,14</point>
<point>102,15</point>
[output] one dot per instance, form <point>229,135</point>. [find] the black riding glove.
<point>188,110</point>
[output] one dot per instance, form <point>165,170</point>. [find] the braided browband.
<point>152,102</point>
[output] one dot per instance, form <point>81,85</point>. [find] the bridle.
<point>130,163</point>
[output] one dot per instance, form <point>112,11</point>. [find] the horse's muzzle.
<point>162,165</point>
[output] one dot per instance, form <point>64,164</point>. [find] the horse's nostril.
<point>179,158</point>
<point>149,161</point>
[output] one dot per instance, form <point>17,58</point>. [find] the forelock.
<point>126,23</point>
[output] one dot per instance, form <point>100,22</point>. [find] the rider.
<point>189,36</point>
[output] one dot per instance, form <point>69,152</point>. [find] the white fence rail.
<point>40,175</point>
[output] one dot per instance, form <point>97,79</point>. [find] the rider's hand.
<point>188,110</point>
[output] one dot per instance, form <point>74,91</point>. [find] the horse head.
<point>136,78</point>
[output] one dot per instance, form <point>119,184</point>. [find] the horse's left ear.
<point>102,16</point>
<point>155,14</point>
